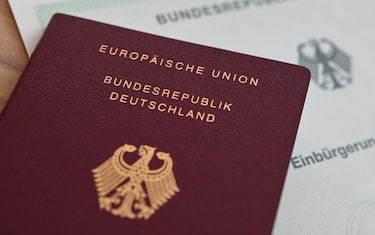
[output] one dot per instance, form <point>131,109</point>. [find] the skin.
<point>13,57</point>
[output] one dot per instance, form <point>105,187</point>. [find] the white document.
<point>330,186</point>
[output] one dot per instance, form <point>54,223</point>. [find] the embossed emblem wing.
<point>161,184</point>
<point>113,171</point>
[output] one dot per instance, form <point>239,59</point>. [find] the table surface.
<point>13,57</point>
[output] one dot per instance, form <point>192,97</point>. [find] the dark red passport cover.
<point>114,131</point>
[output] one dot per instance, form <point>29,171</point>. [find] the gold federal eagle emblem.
<point>134,191</point>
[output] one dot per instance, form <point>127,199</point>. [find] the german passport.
<point>114,131</point>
